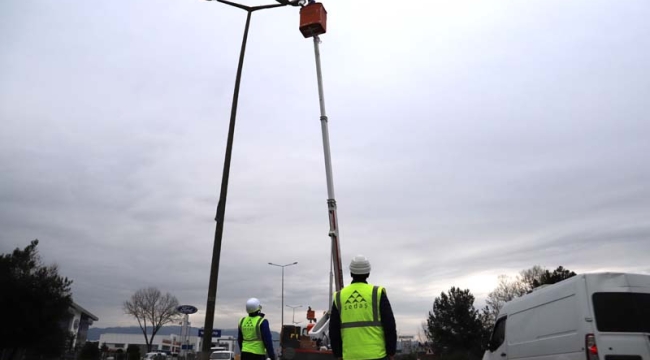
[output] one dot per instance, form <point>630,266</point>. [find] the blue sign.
<point>187,347</point>
<point>187,309</point>
<point>215,332</point>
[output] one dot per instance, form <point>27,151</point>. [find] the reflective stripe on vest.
<point>361,330</point>
<point>252,341</point>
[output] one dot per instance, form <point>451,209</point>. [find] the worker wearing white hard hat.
<point>362,325</point>
<point>254,334</point>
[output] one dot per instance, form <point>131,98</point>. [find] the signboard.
<point>187,347</point>
<point>215,332</point>
<point>187,309</point>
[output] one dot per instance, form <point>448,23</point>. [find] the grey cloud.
<point>466,143</point>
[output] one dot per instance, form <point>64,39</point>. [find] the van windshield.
<point>622,311</point>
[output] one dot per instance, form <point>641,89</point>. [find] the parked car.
<point>601,316</point>
<point>222,355</point>
<point>155,355</point>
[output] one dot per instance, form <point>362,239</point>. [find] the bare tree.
<point>421,333</point>
<point>152,310</point>
<point>506,290</point>
<point>529,276</point>
<point>510,288</point>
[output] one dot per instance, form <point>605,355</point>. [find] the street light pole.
<point>283,266</point>
<point>221,206</point>
<point>293,316</point>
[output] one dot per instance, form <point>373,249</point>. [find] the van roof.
<point>614,281</point>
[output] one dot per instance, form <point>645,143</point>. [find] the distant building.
<point>78,323</point>
<point>167,343</point>
<point>406,344</point>
<point>116,342</point>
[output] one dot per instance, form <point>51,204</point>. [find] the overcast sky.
<point>469,139</point>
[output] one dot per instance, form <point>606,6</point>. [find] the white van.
<point>602,316</point>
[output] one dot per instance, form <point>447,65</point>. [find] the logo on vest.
<point>355,301</point>
<point>248,324</point>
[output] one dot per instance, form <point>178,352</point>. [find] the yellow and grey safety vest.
<point>361,330</point>
<point>252,341</point>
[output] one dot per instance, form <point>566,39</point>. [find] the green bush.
<point>409,356</point>
<point>133,352</point>
<point>460,355</point>
<point>90,351</point>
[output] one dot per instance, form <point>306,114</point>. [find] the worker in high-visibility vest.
<point>254,335</point>
<point>362,325</point>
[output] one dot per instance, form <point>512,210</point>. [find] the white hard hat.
<point>253,305</point>
<point>360,265</point>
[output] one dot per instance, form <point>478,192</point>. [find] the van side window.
<point>622,311</point>
<point>498,335</point>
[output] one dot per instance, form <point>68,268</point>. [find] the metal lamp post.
<point>293,316</point>
<point>283,266</point>
<point>221,207</point>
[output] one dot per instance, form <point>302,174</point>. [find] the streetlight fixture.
<point>283,266</point>
<point>221,206</point>
<point>293,317</point>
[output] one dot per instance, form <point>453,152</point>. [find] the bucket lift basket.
<point>313,20</point>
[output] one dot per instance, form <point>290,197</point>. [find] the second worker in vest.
<point>362,325</point>
<point>254,337</point>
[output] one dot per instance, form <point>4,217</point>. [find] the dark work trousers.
<point>251,356</point>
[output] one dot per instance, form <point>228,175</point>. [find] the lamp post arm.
<point>261,7</point>
<point>292,3</point>
<point>243,7</point>
<point>252,8</point>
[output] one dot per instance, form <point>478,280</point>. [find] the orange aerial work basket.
<point>311,314</point>
<point>313,20</point>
